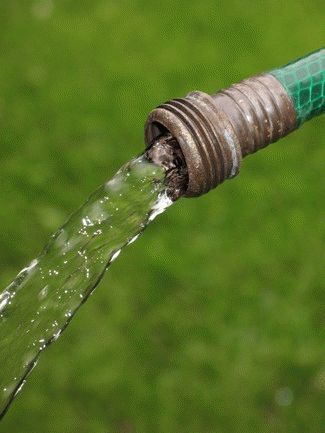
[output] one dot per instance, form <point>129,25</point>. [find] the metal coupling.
<point>215,132</point>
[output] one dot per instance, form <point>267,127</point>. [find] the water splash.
<point>37,306</point>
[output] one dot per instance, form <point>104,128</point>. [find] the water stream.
<point>42,299</point>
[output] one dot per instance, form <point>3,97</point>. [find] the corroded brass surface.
<point>215,132</point>
<point>259,110</point>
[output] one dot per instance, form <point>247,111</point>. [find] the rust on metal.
<point>213,133</point>
<point>259,110</point>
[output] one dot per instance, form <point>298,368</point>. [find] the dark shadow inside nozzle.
<point>166,152</point>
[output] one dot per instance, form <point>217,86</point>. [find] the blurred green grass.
<point>213,321</point>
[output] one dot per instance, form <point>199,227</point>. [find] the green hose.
<point>304,80</point>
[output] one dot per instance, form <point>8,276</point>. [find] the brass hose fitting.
<point>215,132</point>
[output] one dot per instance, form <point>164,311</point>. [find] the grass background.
<point>213,322</point>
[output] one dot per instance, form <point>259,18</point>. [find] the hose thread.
<point>216,132</point>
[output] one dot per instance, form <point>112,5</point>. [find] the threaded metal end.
<point>215,132</point>
<point>211,154</point>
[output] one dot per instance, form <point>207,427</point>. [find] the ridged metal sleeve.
<point>304,80</point>
<point>216,132</point>
<point>259,110</point>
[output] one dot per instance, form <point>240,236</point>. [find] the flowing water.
<point>42,299</point>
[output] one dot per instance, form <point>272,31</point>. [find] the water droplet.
<point>43,293</point>
<point>133,239</point>
<point>56,335</point>
<point>20,387</point>
<point>115,256</point>
<point>4,298</point>
<point>9,389</point>
<point>87,222</point>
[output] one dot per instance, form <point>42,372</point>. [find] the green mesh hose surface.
<point>304,80</point>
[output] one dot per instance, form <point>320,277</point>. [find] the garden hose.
<point>215,132</point>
